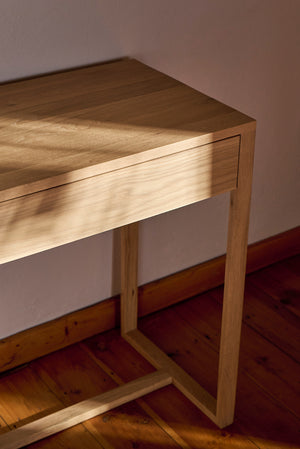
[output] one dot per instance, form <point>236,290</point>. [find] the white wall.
<point>244,53</point>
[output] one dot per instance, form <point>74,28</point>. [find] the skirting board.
<point>61,332</point>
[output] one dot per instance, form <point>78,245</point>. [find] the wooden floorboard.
<point>270,318</point>
<point>292,264</point>
<point>172,407</point>
<point>3,426</point>
<point>281,283</point>
<point>188,354</point>
<point>270,368</point>
<point>267,412</point>
<point>25,397</point>
<point>74,376</point>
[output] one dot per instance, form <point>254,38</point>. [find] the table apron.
<point>63,214</point>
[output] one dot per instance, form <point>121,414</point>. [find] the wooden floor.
<point>268,403</point>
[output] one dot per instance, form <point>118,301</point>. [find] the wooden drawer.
<point>60,215</point>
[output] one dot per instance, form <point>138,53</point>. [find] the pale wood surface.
<point>234,283</point>
<point>63,214</point>
<point>129,277</point>
<point>75,414</point>
<point>65,127</point>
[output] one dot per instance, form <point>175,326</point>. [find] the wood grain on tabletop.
<point>67,126</point>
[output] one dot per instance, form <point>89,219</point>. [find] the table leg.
<point>234,283</point>
<point>221,411</point>
<point>129,272</point>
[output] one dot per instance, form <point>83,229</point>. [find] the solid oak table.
<point>93,149</point>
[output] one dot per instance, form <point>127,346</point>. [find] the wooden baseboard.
<point>45,338</point>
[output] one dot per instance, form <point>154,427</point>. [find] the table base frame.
<point>219,410</point>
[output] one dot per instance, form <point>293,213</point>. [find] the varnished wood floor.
<point>268,405</point>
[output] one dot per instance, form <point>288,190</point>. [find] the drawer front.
<point>60,215</point>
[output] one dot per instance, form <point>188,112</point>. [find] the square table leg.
<point>129,273</point>
<point>221,410</point>
<point>234,283</point>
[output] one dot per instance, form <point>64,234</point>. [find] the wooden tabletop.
<point>68,126</point>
